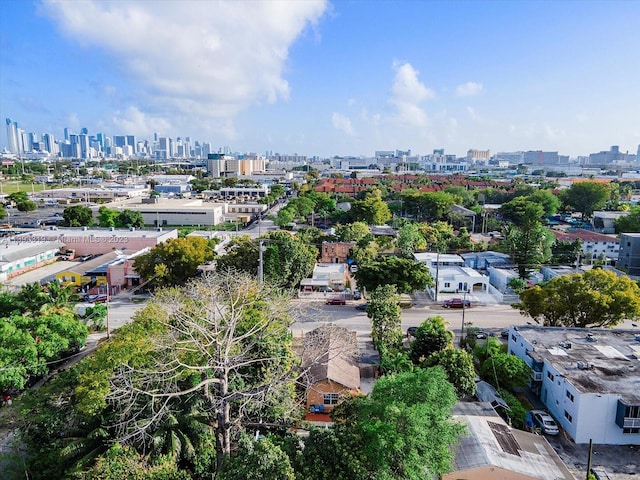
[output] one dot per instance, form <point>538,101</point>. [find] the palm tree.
<point>60,299</point>
<point>32,297</point>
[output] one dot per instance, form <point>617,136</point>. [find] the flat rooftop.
<point>60,233</point>
<point>612,358</point>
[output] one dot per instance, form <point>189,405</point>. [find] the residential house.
<point>587,379</point>
<point>491,450</point>
<point>552,271</point>
<point>329,359</point>
<point>484,260</point>
<point>335,252</point>
<point>450,275</point>
<point>326,277</point>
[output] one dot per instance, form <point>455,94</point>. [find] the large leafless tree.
<point>228,340</point>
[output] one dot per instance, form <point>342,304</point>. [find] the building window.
<point>447,284</point>
<point>568,416</point>
<point>330,398</point>
<point>570,395</point>
<point>551,376</point>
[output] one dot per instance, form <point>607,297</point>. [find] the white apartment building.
<point>589,379</point>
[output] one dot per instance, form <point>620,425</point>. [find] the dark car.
<point>456,303</point>
<point>357,295</point>
<point>504,333</point>
<point>362,307</point>
<point>336,301</point>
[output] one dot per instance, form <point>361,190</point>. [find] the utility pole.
<point>260,265</point>
<point>464,301</point>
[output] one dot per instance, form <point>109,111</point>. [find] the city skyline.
<point>318,78</point>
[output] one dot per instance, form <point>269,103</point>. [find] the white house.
<point>587,378</point>
<point>450,275</point>
<point>593,244</point>
<point>500,277</point>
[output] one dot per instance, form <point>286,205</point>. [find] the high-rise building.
<point>67,134</point>
<point>84,131</point>
<point>85,151</point>
<point>49,142</point>
<point>131,141</point>
<point>100,138</point>
<point>12,136</point>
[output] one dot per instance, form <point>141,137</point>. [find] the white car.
<point>545,422</point>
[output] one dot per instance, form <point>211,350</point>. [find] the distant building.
<point>593,244</point>
<point>587,378</point>
<point>629,253</point>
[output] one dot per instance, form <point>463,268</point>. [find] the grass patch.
<point>9,187</point>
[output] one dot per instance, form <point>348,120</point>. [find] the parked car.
<point>336,301</point>
<point>96,298</point>
<point>456,303</point>
<point>545,422</point>
<point>357,295</point>
<point>362,307</point>
<point>504,333</point>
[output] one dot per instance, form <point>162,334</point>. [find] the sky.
<point>314,77</point>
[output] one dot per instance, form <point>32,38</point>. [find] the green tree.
<point>384,312</point>
<point>372,211</point>
<point>19,357</point>
<point>432,336</point>
<point>3,212</point>
<point>121,462</point>
<point>409,240</point>
<point>517,284</point>
<point>129,218</point>
<point>506,371</point>
<point>241,254</point>
<point>529,246</point>
<point>596,298</point>
<point>257,460</point>
<point>22,201</point>
<point>107,217</point>
<point>629,223</point>
<point>407,275</point>
<point>549,202</point>
<point>458,365</point>
<point>285,217</point>
<point>403,430</point>
<point>77,216</point>
<point>175,261</point>
<point>287,260</point>
<point>585,197</point>
<point>32,297</point>
<point>352,232</point>
<point>522,212</point>
<point>430,206</point>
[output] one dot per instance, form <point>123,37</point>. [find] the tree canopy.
<point>407,275</point>
<point>431,337</point>
<point>596,298</point>
<point>77,216</point>
<point>585,197</point>
<point>175,261</point>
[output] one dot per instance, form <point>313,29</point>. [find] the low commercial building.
<point>163,212</point>
<point>326,278</point>
<point>95,241</point>
<point>17,257</point>
<point>588,379</point>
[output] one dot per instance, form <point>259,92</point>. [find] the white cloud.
<point>468,89</point>
<point>201,59</point>
<point>407,92</point>
<point>342,123</point>
<point>138,123</point>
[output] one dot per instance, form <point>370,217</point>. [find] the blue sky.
<point>328,78</point>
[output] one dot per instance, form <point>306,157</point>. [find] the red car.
<point>336,301</point>
<point>456,303</point>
